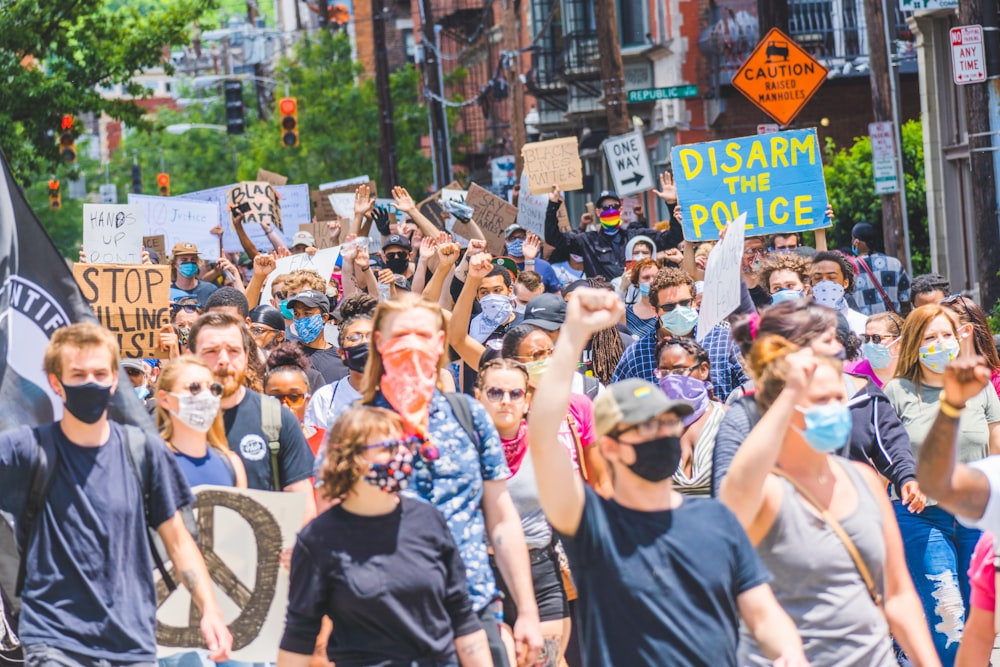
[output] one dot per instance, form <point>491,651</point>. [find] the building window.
<point>409,45</point>
<point>633,24</point>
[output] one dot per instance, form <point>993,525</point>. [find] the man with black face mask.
<point>396,248</point>
<point>646,560</point>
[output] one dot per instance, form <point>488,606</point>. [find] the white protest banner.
<point>343,204</point>
<point>323,263</point>
<point>241,533</point>
<point>357,180</point>
<point>531,208</point>
<point>180,220</point>
<point>112,233</point>
<point>294,212</point>
<point>722,278</point>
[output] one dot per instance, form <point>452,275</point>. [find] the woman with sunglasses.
<point>967,313</point>
<point>806,511</point>
<point>503,391</point>
<point>190,422</point>
<point>880,347</point>
<point>382,566</point>
<point>938,548</point>
<point>286,378</point>
<point>682,372</point>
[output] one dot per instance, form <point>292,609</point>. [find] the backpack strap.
<point>137,451</point>
<point>270,422</point>
<point>43,473</point>
<point>463,414</point>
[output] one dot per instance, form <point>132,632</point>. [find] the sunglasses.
<point>496,394</point>
<point>957,298</point>
<point>877,338</point>
<point>214,388</point>
<point>187,308</point>
<point>412,443</point>
<point>397,255</point>
<point>669,306</point>
<point>649,429</point>
<point>280,295</point>
<point>133,372</point>
<point>292,400</point>
<point>261,330</point>
<point>537,355</point>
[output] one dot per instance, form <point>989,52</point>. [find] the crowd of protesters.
<point>535,457</point>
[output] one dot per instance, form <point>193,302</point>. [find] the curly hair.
<point>666,278</point>
<point>287,356</point>
<point>345,445</point>
<point>302,280</point>
<point>783,261</point>
<point>358,304</point>
<point>846,267</point>
<point>687,344</point>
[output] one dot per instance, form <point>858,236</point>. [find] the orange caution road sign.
<point>779,76</point>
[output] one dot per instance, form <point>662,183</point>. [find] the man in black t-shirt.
<point>663,579</point>
<point>89,596</point>
<point>222,342</point>
<point>312,312</point>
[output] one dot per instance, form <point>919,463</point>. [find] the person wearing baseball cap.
<point>396,249</point>
<point>312,312</point>
<point>525,251</point>
<point>882,282</point>
<point>646,559</point>
<point>184,260</point>
<point>302,242</point>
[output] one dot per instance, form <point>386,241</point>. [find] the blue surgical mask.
<point>515,248</point>
<point>644,289</point>
<point>828,426</point>
<point>309,328</point>
<point>680,321</point>
<point>936,356</point>
<point>188,269</point>
<point>786,295</point>
<point>878,356</point>
<point>142,392</point>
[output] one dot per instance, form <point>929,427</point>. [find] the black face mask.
<point>87,402</point>
<point>398,266</point>
<point>657,459</point>
<point>356,356</point>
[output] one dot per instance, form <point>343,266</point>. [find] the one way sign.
<point>629,163</point>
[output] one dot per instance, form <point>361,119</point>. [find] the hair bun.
<point>768,350</point>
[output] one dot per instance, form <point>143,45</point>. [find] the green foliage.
<point>850,186</point>
<point>55,55</point>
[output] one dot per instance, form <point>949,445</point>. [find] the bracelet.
<point>949,410</point>
<point>366,268</point>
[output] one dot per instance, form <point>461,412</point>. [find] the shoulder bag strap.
<point>270,420</point>
<point>579,447</point>
<point>841,533</point>
<point>885,298</point>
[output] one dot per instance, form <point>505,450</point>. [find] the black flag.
<point>37,296</point>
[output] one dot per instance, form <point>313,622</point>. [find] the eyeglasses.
<point>356,338</point>
<point>649,429</point>
<point>661,373</point>
<point>280,295</point>
<point>293,400</point>
<point>752,252</point>
<point>187,308</point>
<point>537,355</point>
<point>133,372</point>
<point>877,338</point>
<point>669,306</point>
<point>412,442</point>
<point>214,388</point>
<point>397,255</point>
<point>259,330</point>
<point>496,394</point>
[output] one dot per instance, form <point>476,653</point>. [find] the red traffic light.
<point>163,179</point>
<point>53,185</point>
<point>288,106</point>
<point>67,122</point>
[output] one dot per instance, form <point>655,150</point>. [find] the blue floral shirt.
<point>454,484</point>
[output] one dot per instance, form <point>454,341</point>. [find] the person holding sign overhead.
<point>603,251</point>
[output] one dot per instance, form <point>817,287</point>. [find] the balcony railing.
<point>582,55</point>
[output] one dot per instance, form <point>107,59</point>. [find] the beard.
<point>231,381</point>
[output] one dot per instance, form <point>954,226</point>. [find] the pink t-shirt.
<point>581,409</point>
<point>982,575</point>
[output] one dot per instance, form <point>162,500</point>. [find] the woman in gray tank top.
<point>816,580</point>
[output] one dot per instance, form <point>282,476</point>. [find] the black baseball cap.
<point>398,240</point>
<point>268,316</point>
<point>608,194</point>
<point>311,299</point>
<point>546,311</point>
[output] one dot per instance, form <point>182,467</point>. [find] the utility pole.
<point>511,52</point>
<point>258,68</point>
<point>440,150</point>
<point>893,225</point>
<point>982,145</point>
<point>386,130</point>
<point>612,70</point>
<point>324,14</point>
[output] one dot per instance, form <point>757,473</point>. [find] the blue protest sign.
<point>776,179</point>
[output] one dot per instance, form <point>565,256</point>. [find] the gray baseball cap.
<point>633,401</point>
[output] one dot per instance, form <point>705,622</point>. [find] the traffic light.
<point>163,183</point>
<point>136,179</point>
<point>234,107</point>
<point>55,198</point>
<point>67,140</point>
<point>289,110</point>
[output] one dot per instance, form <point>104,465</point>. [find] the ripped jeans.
<point>938,550</point>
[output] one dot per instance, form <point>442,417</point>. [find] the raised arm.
<point>958,488</point>
<point>363,205</point>
<point>467,347</point>
<point>263,266</point>
<point>405,203</point>
<point>560,488</point>
<point>554,236</point>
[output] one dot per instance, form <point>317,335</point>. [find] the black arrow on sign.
<point>637,178</point>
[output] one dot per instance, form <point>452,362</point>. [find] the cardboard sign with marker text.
<point>131,302</point>
<point>157,244</point>
<point>322,208</point>
<point>553,162</point>
<point>271,177</point>
<point>112,233</point>
<point>263,201</point>
<point>493,215</point>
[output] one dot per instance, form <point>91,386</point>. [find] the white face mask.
<point>197,411</point>
<point>830,294</point>
<point>497,308</point>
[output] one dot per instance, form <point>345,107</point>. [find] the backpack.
<point>270,423</point>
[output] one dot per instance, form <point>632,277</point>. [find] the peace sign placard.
<point>241,533</point>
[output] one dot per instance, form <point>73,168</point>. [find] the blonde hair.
<point>82,335</point>
<point>346,444</point>
<point>404,303</point>
<point>166,382</point>
<point>302,280</point>
<point>768,364</point>
<point>911,339</point>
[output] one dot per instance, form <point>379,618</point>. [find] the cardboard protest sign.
<point>552,162</point>
<point>157,244</point>
<point>129,301</point>
<point>321,206</point>
<point>531,208</point>
<point>179,220</point>
<point>241,532</point>
<point>722,278</point>
<point>271,177</point>
<point>776,179</point>
<point>258,201</point>
<point>493,215</point>
<point>323,263</point>
<point>321,234</point>
<point>112,233</point>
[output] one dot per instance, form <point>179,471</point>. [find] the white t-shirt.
<point>990,466</point>
<point>329,402</point>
